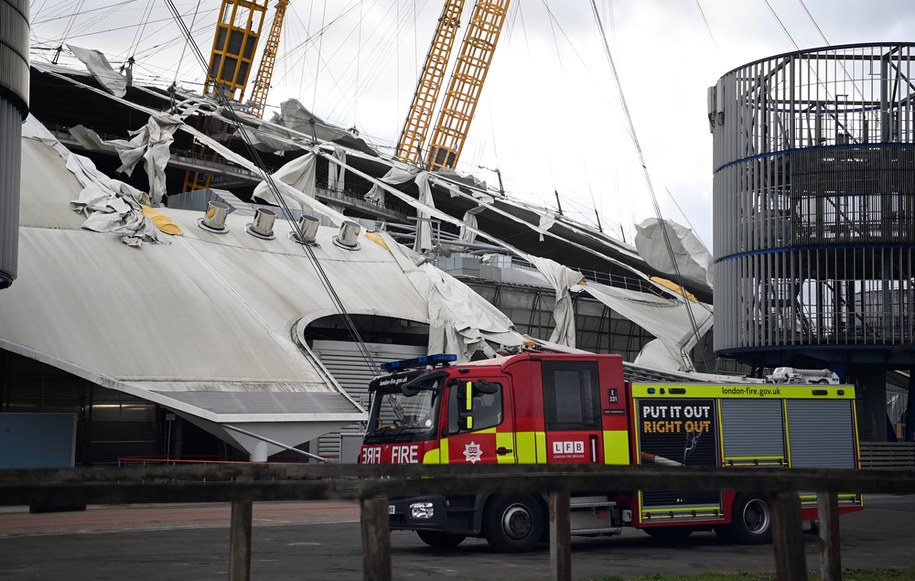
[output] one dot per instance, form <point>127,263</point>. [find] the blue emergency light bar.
<point>436,359</point>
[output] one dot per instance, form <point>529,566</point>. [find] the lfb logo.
<point>577,447</point>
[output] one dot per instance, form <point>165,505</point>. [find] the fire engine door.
<point>572,412</point>
<point>480,426</point>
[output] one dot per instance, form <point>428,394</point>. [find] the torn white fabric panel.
<point>656,355</point>
<point>101,69</point>
<point>562,278</point>
<point>551,219</point>
<point>665,319</point>
<point>394,177</point>
<point>423,239</point>
<point>32,128</point>
<point>296,183</point>
<point>469,225</point>
<point>90,140</point>
<point>692,257</point>
<point>87,174</point>
<point>546,222</point>
<point>150,143</point>
<point>460,321</point>
<point>264,140</point>
<point>452,189</point>
<point>212,144</point>
<point>336,172</point>
<point>295,116</point>
<point>110,205</point>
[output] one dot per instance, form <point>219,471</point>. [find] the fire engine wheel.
<point>752,520</point>
<point>440,540</point>
<point>513,524</point>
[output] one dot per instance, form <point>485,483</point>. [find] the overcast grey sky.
<point>549,117</point>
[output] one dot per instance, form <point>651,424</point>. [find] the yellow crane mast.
<point>416,127</point>
<point>467,80</point>
<point>237,32</point>
<point>268,61</point>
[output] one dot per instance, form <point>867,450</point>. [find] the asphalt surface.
<point>321,540</point>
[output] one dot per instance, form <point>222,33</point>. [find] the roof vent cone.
<point>215,220</point>
<point>349,232</point>
<point>262,227</point>
<point>308,226</point>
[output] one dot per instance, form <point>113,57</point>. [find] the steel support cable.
<point>707,27</point>
<point>322,275</point>
<point>314,97</point>
<point>813,20</point>
<point>815,72</point>
<point>72,21</point>
<point>67,28</point>
<point>138,35</point>
<point>358,66</point>
<point>373,66</point>
<point>36,21</point>
<point>826,41</point>
<point>782,24</point>
<point>654,200</point>
<point>184,48</point>
<point>85,28</point>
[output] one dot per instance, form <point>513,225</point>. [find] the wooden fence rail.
<point>244,484</point>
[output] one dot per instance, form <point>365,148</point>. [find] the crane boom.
<point>237,32</point>
<point>466,83</point>
<point>238,29</point>
<point>416,127</point>
<point>268,61</point>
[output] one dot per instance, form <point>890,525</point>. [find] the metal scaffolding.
<point>814,206</point>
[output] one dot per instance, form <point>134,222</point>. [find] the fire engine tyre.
<point>440,540</point>
<point>752,520</point>
<point>513,524</point>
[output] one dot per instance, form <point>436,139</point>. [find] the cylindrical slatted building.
<point>814,213</point>
<point>14,106</point>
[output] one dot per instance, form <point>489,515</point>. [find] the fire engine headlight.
<point>421,510</point>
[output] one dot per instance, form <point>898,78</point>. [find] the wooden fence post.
<point>830,555</point>
<point>376,539</point>
<point>788,537</point>
<point>560,536</point>
<point>240,541</point>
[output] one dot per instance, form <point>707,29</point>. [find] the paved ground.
<point>17,521</point>
<point>321,540</point>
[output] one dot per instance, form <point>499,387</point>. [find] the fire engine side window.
<point>486,412</point>
<point>571,395</point>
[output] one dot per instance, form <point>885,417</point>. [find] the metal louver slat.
<point>345,362</point>
<point>752,431</point>
<point>820,433</point>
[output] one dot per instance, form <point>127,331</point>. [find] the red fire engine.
<point>577,408</point>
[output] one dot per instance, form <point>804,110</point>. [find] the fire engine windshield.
<point>405,412</point>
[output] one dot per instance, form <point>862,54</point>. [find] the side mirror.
<point>487,387</point>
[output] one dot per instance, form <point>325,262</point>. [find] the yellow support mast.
<point>466,83</point>
<point>268,61</point>
<point>416,127</point>
<point>237,32</point>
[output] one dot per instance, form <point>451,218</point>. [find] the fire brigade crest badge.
<point>473,452</point>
